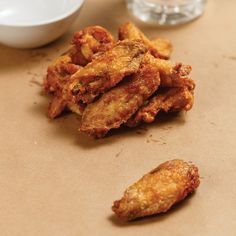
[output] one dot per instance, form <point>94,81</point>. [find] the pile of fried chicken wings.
<point>113,82</point>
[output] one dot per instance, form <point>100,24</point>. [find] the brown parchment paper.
<point>56,181</point>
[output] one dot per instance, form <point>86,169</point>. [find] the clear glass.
<point>166,12</point>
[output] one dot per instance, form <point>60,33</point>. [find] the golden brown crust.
<point>117,105</point>
<point>59,71</point>
<point>174,75</point>
<point>61,101</point>
<point>86,43</point>
<point>158,190</point>
<point>107,69</point>
<point>106,63</point>
<point>158,48</point>
<point>177,95</point>
<point>56,82</point>
<point>89,41</point>
<point>163,46</point>
<point>169,100</point>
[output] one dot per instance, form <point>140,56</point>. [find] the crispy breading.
<point>58,77</point>
<point>163,46</point>
<point>178,76</point>
<point>107,69</point>
<point>61,100</point>
<point>86,43</point>
<point>159,48</point>
<point>170,99</point>
<point>177,96</point>
<point>93,68</point>
<point>56,106</point>
<point>57,80</point>
<point>158,190</point>
<point>89,41</point>
<point>120,103</point>
<point>59,71</point>
<point>174,74</point>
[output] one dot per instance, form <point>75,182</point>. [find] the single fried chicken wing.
<point>117,105</point>
<point>158,191</point>
<point>169,100</point>
<point>107,69</point>
<point>158,48</point>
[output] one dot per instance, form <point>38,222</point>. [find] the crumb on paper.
<point>35,82</point>
<point>233,58</point>
<point>118,154</point>
<point>139,132</point>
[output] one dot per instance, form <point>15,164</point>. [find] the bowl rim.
<point>52,20</point>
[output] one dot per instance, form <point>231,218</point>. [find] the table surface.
<point>56,181</point>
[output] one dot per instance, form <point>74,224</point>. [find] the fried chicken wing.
<point>58,76</point>
<point>174,74</point>
<point>89,41</point>
<point>56,106</point>
<point>116,83</point>
<point>85,44</point>
<point>61,100</point>
<point>158,190</point>
<point>117,105</point>
<point>177,96</point>
<point>159,48</point>
<point>59,71</point>
<point>107,69</point>
<point>171,99</point>
<point>57,80</point>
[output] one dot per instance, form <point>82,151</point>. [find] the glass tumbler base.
<point>164,13</point>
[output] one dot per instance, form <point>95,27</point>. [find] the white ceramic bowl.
<point>33,23</point>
